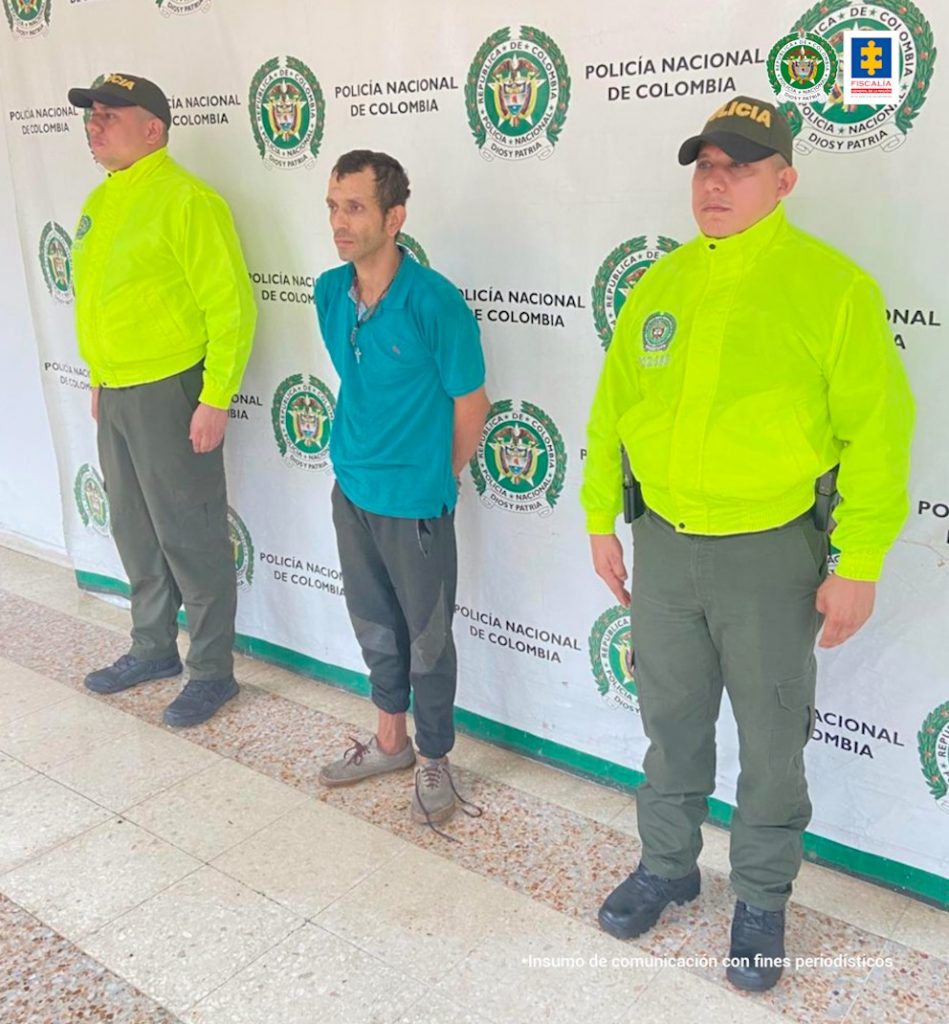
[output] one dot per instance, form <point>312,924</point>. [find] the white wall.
<point>30,505</point>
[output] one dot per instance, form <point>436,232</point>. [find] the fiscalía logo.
<point>517,93</point>
<point>802,67</point>
<point>91,500</point>
<point>521,462</point>
<point>833,125</point>
<point>611,657</point>
<point>287,113</point>
<point>56,261</point>
<point>170,7</point>
<point>302,413</point>
<point>933,740</point>
<point>413,248</point>
<point>870,68</point>
<point>619,274</point>
<point>242,548</point>
<point>27,18</point>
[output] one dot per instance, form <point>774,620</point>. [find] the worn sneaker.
<point>129,671</point>
<point>634,906</point>
<point>198,701</point>
<point>434,797</point>
<point>363,760</point>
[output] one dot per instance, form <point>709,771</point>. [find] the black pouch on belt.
<point>825,498</point>
<point>633,504</point>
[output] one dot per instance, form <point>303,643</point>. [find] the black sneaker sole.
<point>109,688</point>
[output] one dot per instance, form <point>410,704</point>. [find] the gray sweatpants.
<point>169,520</point>
<point>400,576</point>
<point>734,612</point>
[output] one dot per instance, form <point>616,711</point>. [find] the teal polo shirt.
<point>392,436</point>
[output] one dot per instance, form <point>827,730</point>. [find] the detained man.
<point>410,414</point>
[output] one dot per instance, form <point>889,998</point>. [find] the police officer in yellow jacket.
<point>165,318</point>
<point>744,366</point>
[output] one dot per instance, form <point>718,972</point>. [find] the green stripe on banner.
<point>929,887</point>
<point>102,584</point>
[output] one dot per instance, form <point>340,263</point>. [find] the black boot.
<point>634,906</point>
<point>756,957</point>
<point>129,671</point>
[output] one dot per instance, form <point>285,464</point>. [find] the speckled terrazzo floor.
<point>205,877</point>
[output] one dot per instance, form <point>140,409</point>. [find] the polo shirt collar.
<point>397,294</point>
<point>748,243</point>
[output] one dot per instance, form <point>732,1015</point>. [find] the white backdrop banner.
<point>542,156</point>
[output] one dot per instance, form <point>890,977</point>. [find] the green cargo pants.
<point>737,612</point>
<point>169,519</point>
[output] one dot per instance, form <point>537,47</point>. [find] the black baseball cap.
<point>747,129</point>
<point>119,90</point>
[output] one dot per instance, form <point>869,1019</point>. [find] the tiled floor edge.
<point>33,548</point>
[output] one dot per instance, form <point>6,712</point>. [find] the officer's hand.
<point>207,427</point>
<point>95,404</point>
<point>609,564</point>
<point>846,605</point>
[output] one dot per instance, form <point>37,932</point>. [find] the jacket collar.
<point>140,170</point>
<point>748,243</point>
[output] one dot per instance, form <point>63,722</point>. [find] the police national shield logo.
<point>517,93</point>
<point>302,413</point>
<point>287,113</point>
<point>658,331</point>
<point>521,462</point>
<point>91,501</point>
<point>56,261</point>
<point>170,7</point>
<point>414,249</point>
<point>612,660</point>
<point>933,742</point>
<point>242,548</point>
<point>802,67</point>
<point>27,18</point>
<point>619,274</point>
<point>831,124</point>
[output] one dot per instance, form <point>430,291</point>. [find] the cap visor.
<point>86,97</point>
<point>736,146</point>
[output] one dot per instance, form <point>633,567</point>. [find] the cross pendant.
<point>358,354</point>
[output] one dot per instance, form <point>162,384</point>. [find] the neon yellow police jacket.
<point>161,282</point>
<point>740,370</point>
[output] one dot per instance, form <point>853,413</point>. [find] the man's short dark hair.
<point>392,183</point>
